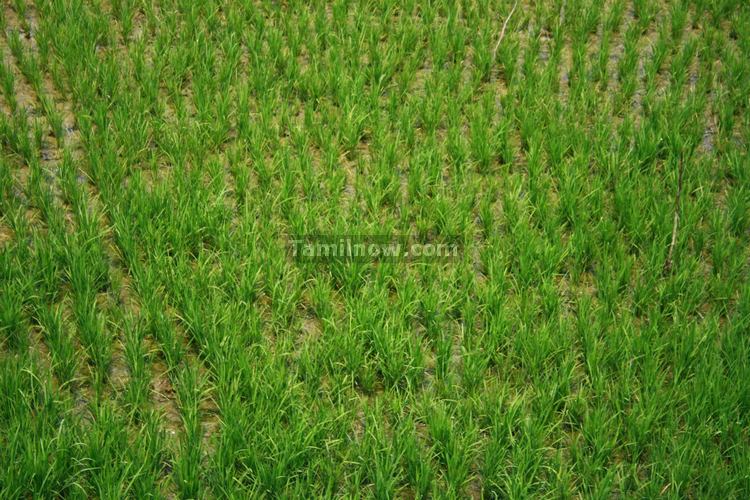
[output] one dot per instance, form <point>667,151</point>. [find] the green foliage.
<point>157,339</point>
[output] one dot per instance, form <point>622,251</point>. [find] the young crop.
<point>588,159</point>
